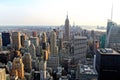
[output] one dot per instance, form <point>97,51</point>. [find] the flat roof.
<point>4,52</point>
<point>80,37</point>
<point>87,69</point>
<point>108,51</point>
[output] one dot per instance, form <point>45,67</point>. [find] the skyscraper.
<point>0,41</point>
<point>27,62</point>
<point>60,43</point>
<point>5,38</point>
<point>67,29</point>
<point>16,42</point>
<point>113,37</point>
<point>26,43</point>
<point>23,38</point>
<point>53,58</point>
<point>34,34</point>
<point>53,46</point>
<point>79,48</point>
<point>32,50</point>
<point>34,40</point>
<point>45,54</point>
<point>18,68</point>
<point>107,64</point>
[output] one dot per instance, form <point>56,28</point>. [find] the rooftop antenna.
<point>67,14</point>
<point>112,12</point>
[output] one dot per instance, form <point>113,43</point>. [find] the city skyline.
<point>53,12</point>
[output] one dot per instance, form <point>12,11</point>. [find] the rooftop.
<point>87,69</point>
<point>4,52</point>
<point>80,37</point>
<point>108,51</point>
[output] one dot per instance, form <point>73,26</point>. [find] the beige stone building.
<point>16,41</point>
<point>17,68</point>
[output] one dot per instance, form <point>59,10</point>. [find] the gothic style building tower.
<point>67,29</point>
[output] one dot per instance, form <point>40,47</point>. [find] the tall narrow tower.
<point>0,42</point>
<point>23,38</point>
<point>45,54</point>
<point>67,29</point>
<point>53,47</point>
<point>60,40</point>
<point>32,51</point>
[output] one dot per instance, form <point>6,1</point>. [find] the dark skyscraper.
<point>67,29</point>
<point>108,64</point>
<point>5,38</point>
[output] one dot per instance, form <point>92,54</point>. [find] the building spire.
<point>112,12</point>
<point>67,14</point>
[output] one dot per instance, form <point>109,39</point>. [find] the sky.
<point>53,12</point>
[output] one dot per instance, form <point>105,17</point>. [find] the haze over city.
<point>53,12</point>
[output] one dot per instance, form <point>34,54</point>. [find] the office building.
<point>34,40</point>
<point>113,37</point>
<point>60,42</point>
<point>45,54</point>
<point>102,41</point>
<point>67,30</point>
<point>16,42</point>
<point>107,64</point>
<point>6,38</point>
<point>27,62</point>
<point>32,51</point>
<point>34,34</point>
<point>53,46</point>
<point>5,56</point>
<point>0,42</point>
<point>23,38</point>
<point>17,68</point>
<point>79,48</point>
<point>2,74</point>
<point>38,51</point>
<point>27,43</point>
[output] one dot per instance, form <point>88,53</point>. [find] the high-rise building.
<point>2,74</point>
<point>45,54</point>
<point>60,43</point>
<point>102,41</point>
<point>16,42</point>
<point>23,38</point>
<point>5,56</point>
<point>0,42</point>
<point>27,43</point>
<point>109,25</point>
<point>113,37</point>
<point>93,34</point>
<point>34,34</point>
<point>27,62</point>
<point>67,30</point>
<point>53,58</point>
<point>107,64</point>
<point>53,46</point>
<point>38,50</point>
<point>5,38</point>
<point>32,51</point>
<point>79,48</point>
<point>17,68</point>
<point>34,40</point>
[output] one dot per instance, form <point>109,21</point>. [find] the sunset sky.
<point>53,12</point>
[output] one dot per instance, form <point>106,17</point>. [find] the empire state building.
<point>67,29</point>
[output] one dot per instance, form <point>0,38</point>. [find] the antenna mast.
<point>112,12</point>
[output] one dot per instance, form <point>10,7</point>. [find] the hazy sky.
<point>53,12</point>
